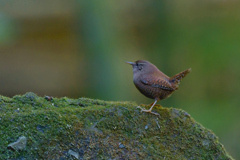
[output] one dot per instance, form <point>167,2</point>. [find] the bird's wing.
<point>157,82</point>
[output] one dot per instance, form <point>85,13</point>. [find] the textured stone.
<point>20,144</point>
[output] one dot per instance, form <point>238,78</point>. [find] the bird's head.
<point>142,66</point>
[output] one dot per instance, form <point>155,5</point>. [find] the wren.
<point>153,83</point>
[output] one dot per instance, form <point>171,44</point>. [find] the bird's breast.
<point>145,89</point>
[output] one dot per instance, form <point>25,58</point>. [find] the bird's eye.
<point>140,67</point>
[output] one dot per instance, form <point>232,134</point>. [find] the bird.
<point>153,83</point>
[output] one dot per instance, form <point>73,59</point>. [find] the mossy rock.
<point>96,129</point>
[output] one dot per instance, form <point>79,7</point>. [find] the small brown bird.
<point>153,83</point>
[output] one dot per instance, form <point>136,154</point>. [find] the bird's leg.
<point>150,110</point>
<point>151,103</point>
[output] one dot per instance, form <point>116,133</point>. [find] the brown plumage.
<point>153,83</point>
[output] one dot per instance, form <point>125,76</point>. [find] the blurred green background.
<point>78,48</point>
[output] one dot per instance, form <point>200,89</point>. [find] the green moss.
<point>102,130</point>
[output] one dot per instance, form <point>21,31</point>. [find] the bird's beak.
<point>129,62</point>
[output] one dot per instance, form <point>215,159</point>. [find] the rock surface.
<point>75,154</point>
<point>20,144</point>
<point>96,129</point>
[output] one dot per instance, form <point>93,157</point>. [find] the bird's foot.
<point>149,111</point>
<point>141,108</point>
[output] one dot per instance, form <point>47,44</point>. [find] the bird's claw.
<point>149,111</point>
<point>141,108</point>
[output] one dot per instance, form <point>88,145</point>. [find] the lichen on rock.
<point>20,144</point>
<point>96,129</point>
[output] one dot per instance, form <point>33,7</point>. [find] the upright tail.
<point>178,77</point>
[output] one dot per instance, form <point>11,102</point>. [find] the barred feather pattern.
<point>175,80</point>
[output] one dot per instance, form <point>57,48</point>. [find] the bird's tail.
<point>178,77</point>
